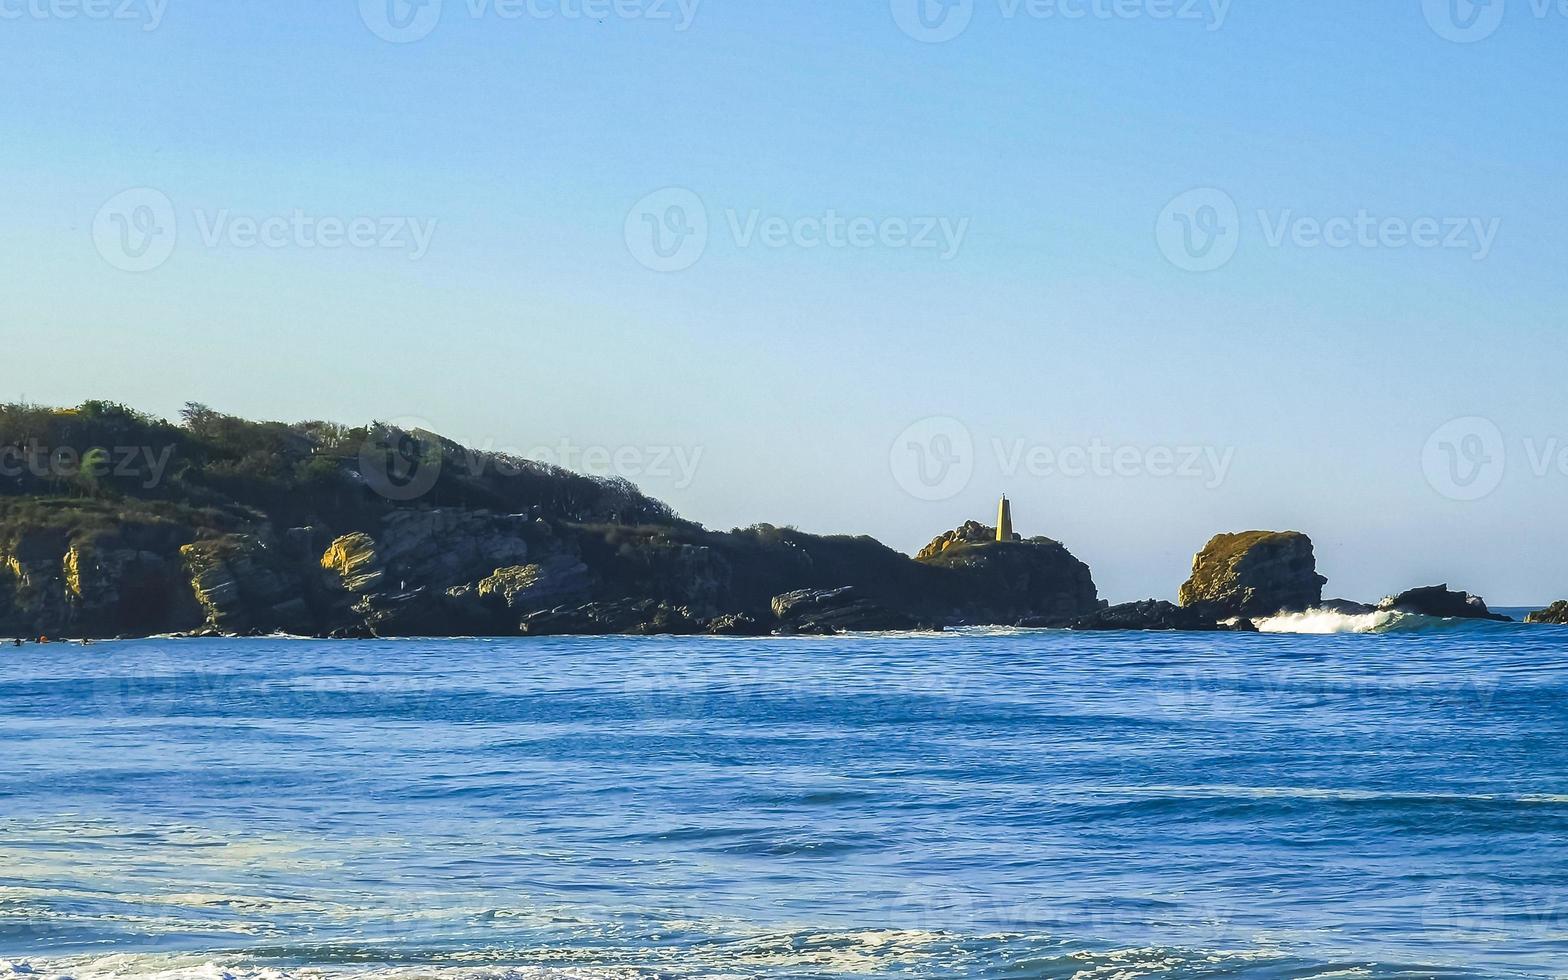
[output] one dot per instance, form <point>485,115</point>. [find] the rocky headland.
<point>113,523</point>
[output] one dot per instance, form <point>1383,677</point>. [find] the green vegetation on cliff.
<point>112,521</point>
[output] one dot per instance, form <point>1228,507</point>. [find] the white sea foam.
<point>1324,622</point>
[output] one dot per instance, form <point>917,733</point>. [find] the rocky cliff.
<point>1254,573</point>
<point>247,527</point>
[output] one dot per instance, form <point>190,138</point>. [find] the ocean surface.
<point>1371,798</point>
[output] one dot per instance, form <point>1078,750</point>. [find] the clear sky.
<point>982,216</point>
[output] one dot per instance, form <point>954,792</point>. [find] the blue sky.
<point>1307,386</point>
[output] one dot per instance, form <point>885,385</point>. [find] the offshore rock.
<point>1254,573</point>
<point>1151,614</point>
<point>1440,602</point>
<point>1556,614</point>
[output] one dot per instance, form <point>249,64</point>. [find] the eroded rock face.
<point>1254,573</point>
<point>244,584</point>
<point>525,589</point>
<point>829,611</point>
<point>444,548</point>
<point>96,585</point>
<point>1441,602</point>
<point>1555,615</point>
<point>354,563</point>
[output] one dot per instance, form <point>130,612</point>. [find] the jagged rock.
<point>1254,573</point>
<point>971,532</point>
<point>736,624</point>
<point>988,581</point>
<point>633,617</point>
<point>525,589</point>
<point>426,612</point>
<point>435,549</point>
<point>243,584</point>
<point>354,563</point>
<point>443,548</point>
<point>1556,614</point>
<point>829,611</point>
<point>1345,607</point>
<point>1151,614</point>
<point>1439,601</point>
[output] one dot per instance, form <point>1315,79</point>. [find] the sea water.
<point>1386,802</point>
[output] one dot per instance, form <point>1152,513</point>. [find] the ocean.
<point>989,803</point>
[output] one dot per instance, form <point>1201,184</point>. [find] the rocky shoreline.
<point>258,528</point>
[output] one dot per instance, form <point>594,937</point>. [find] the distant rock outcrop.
<point>1004,582</point>
<point>969,533</point>
<point>1554,615</point>
<point>1439,601</point>
<point>1254,573</point>
<point>829,611</point>
<point>1151,614</point>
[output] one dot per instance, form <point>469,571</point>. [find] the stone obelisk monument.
<point>1004,520</point>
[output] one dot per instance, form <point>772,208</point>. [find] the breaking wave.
<point>1324,622</point>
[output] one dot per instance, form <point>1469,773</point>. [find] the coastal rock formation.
<point>736,624</point>
<point>445,547</point>
<point>1439,601</point>
<point>354,564</point>
<point>1150,614</point>
<point>1254,573</point>
<point>1556,614</point>
<point>985,581</point>
<point>128,578</point>
<point>525,589</point>
<point>629,617</point>
<point>244,585</point>
<point>1345,607</point>
<point>824,612</point>
<point>969,533</point>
